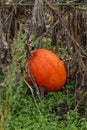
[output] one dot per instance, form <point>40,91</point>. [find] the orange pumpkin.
<point>47,69</point>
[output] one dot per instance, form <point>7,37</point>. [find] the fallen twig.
<point>32,92</point>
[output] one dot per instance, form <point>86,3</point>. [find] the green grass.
<point>57,113</point>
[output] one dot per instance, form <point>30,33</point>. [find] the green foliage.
<point>46,42</point>
<point>40,42</point>
<point>19,110</point>
<point>21,113</point>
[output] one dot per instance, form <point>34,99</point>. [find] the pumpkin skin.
<point>47,69</point>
